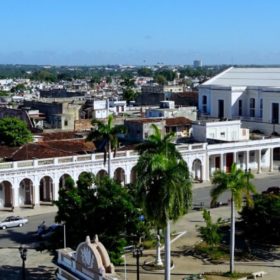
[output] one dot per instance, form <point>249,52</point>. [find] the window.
<point>252,107</point>
<point>223,134</point>
<point>261,108</point>
<point>204,104</point>
<point>240,108</point>
<point>65,123</point>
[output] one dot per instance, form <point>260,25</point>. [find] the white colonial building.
<point>249,94</point>
<point>31,183</point>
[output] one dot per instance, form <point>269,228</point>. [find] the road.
<point>202,194</point>
<point>12,237</point>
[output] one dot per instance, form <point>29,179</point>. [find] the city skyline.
<point>144,32</point>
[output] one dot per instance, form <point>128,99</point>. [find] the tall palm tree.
<point>238,183</point>
<point>163,184</point>
<point>107,135</point>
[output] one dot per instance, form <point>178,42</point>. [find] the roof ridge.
<point>218,76</point>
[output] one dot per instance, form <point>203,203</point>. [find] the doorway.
<point>220,109</point>
<point>275,113</point>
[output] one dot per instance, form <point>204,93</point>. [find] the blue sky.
<point>90,32</point>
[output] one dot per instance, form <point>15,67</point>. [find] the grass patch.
<point>214,253</point>
<point>149,244</point>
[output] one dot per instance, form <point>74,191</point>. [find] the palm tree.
<point>107,134</point>
<point>238,183</point>
<point>163,184</point>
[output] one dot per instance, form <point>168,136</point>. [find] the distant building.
<point>140,129</point>
<point>249,94</point>
<point>226,131</point>
<point>117,107</point>
<point>152,95</point>
<point>100,109</point>
<point>197,63</point>
<point>33,119</point>
<point>59,93</point>
<point>167,110</point>
<point>61,115</point>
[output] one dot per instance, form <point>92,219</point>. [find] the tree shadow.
<point>20,237</point>
<point>15,272</point>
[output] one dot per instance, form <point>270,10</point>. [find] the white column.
<point>222,162</point>
<point>234,157</point>
<point>271,160</point>
<point>259,160</point>
<point>127,178</point>
<point>55,189</point>
<point>206,169</point>
<point>247,159</point>
<point>15,190</point>
<point>36,191</point>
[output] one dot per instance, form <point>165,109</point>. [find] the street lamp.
<point>23,255</point>
<point>137,253</point>
<point>64,235</point>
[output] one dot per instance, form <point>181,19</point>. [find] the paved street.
<point>15,236</point>
<point>39,264</point>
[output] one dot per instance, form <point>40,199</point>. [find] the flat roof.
<point>258,77</point>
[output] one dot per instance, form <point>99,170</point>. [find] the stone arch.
<point>26,189</point>
<point>101,173</point>
<point>197,170</point>
<point>63,179</point>
<point>6,194</point>
<point>133,175</point>
<point>46,189</point>
<point>119,175</point>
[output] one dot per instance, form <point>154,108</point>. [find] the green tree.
<point>238,183</point>
<point>145,72</point>
<point>128,82</point>
<point>45,75</point>
<point>262,222</point>
<point>18,88</point>
<point>106,134</point>
<point>107,210</point>
<point>108,79</point>
<point>14,132</point>
<point>96,79</point>
<point>4,93</point>
<point>169,75</point>
<point>210,233</point>
<point>163,184</point>
<point>160,79</point>
<point>129,94</point>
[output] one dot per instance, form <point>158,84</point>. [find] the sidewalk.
<point>184,264</point>
<point>40,266</point>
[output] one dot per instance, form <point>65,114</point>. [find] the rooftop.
<point>259,77</point>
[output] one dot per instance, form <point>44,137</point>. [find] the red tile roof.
<point>61,135</point>
<point>47,149</point>
<point>178,121</point>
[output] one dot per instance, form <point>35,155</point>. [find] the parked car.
<point>13,221</point>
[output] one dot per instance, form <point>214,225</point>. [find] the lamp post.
<point>137,253</point>
<point>64,235</point>
<point>23,255</point>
